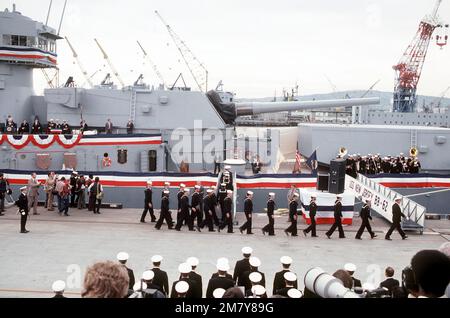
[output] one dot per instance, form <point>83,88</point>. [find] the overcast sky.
<point>256,47</point>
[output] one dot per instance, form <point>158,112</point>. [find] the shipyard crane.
<point>196,68</point>
<point>409,69</point>
<point>438,101</point>
<point>80,66</point>
<point>111,66</point>
<point>155,69</point>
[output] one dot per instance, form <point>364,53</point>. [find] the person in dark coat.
<point>148,203</point>
<point>228,213</point>
<point>22,204</point>
<point>24,128</point>
<point>289,281</point>
<point>196,209</point>
<point>396,219</point>
<point>123,257</point>
<point>58,288</point>
<point>312,215</point>
<point>225,261</point>
<point>193,291</point>
<point>365,217</point>
<point>165,212</point>
<point>279,281</point>
<point>161,279</point>
<point>244,278</point>
<point>248,210</point>
<point>390,283</point>
<point>152,290</point>
<point>222,194</point>
<point>243,264</point>
<point>130,127</point>
<point>197,278</point>
<point>337,219</point>
<point>221,280</point>
<point>350,269</point>
<point>184,212</point>
<point>4,190</point>
<point>293,215</point>
<point>269,228</point>
<point>208,207</point>
<point>36,128</point>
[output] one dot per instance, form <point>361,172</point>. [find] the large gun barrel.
<point>254,108</point>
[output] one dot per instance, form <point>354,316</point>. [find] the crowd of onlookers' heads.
<point>375,163</point>
<point>427,276</point>
<point>54,126</point>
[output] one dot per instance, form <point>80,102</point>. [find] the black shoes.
<point>263,232</point>
<point>142,221</point>
<point>26,231</point>
<point>388,238</point>
<point>286,232</point>
<point>240,230</point>
<point>304,232</point>
<point>358,238</point>
<point>405,237</point>
<point>329,237</point>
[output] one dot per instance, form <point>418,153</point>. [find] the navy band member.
<point>148,203</point>
<point>337,219</point>
<point>293,215</point>
<point>396,219</point>
<point>248,210</point>
<point>312,216</point>
<point>365,217</point>
<point>279,282</point>
<point>269,228</point>
<point>228,213</point>
<point>22,203</point>
<point>165,212</point>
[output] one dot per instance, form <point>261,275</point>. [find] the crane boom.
<point>196,68</point>
<point>80,66</point>
<point>111,66</point>
<point>155,69</point>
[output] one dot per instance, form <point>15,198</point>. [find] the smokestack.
<point>14,7</point>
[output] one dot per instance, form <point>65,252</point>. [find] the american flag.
<point>298,158</point>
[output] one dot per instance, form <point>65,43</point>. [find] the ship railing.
<point>415,212</point>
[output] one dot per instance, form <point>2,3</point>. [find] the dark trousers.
<point>164,216</point>
<point>65,205</point>
<point>91,203</point>
<point>214,216</point>
<point>199,215</point>
<point>208,221</point>
<point>292,228</point>
<point>364,225</point>
<point>191,219</point>
<point>97,204</point>
<point>181,218</point>
<point>337,224</point>
<point>270,227</point>
<point>72,198</point>
<point>227,222</point>
<point>23,221</point>
<point>150,211</point>
<point>312,227</point>
<point>216,167</point>
<point>395,226</point>
<point>247,225</point>
<point>2,201</point>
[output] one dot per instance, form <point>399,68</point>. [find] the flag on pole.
<point>312,162</point>
<point>298,161</point>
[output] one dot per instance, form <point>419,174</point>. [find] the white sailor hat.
<point>258,290</point>
<point>197,186</point>
<point>247,250</point>
<point>254,261</point>
<point>213,187</point>
<point>286,260</point>
<point>350,267</point>
<point>75,173</point>
<point>218,292</point>
<point>209,191</point>
<point>137,286</point>
<point>23,188</point>
<point>296,194</point>
<point>184,268</point>
<point>58,286</point>
<point>156,258</point>
<point>290,277</point>
<point>249,192</point>
<point>255,277</point>
<point>167,183</point>
<point>186,190</point>
<point>294,293</point>
<point>222,266</point>
<point>227,167</point>
<point>166,191</point>
<point>149,182</point>
<point>123,256</point>
<point>272,194</point>
<point>223,184</point>
<point>148,275</point>
<point>51,119</point>
<point>182,287</point>
<point>182,185</point>
<point>193,261</point>
<point>229,191</point>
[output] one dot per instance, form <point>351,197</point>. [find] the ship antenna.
<point>62,16</point>
<point>48,14</point>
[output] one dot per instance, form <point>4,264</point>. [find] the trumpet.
<point>413,152</point>
<point>342,151</point>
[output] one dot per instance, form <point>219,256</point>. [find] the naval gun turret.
<point>230,111</point>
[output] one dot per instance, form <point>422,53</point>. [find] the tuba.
<point>413,152</point>
<point>342,151</point>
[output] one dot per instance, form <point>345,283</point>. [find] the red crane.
<point>409,69</point>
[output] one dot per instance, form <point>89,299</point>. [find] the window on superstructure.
<point>14,40</point>
<point>6,39</point>
<point>52,46</point>
<point>42,44</point>
<point>31,41</point>
<point>22,40</point>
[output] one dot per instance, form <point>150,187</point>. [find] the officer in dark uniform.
<point>244,279</point>
<point>396,219</point>
<point>148,203</point>
<point>221,197</point>
<point>312,216</point>
<point>197,278</point>
<point>290,280</point>
<point>208,206</point>
<point>242,265</point>
<point>350,268</point>
<point>227,178</point>
<point>4,190</point>
<point>279,281</point>
<point>152,290</point>
<point>248,210</point>
<point>36,128</point>
<point>66,128</point>
<point>293,216</point>
<point>22,203</point>
<point>11,126</point>
<point>123,257</point>
<point>221,280</point>
<point>160,278</point>
<point>192,292</point>
<point>223,260</point>
<point>130,127</point>
<point>269,228</point>
<point>58,288</point>
<point>196,209</point>
<point>365,217</point>
<point>214,205</point>
<point>227,212</point>
<point>24,128</point>
<point>73,186</point>
<point>184,214</point>
<point>337,219</point>
<point>179,195</point>
<point>165,212</point>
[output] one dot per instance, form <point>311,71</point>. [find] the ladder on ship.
<point>382,199</point>
<point>235,196</point>
<point>133,105</point>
